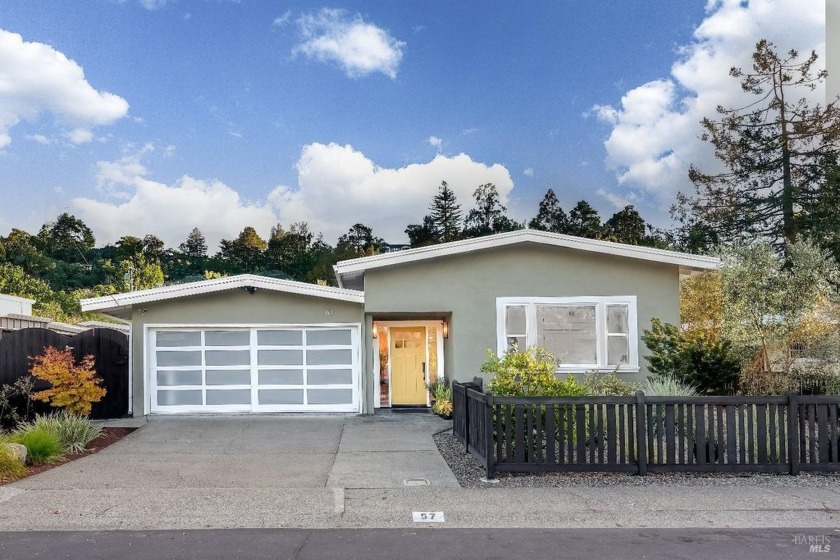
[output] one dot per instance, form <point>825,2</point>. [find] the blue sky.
<point>221,114</point>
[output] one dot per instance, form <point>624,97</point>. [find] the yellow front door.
<point>408,365</point>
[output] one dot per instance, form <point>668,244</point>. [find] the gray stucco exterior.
<point>231,307</point>
<point>464,288</point>
<point>459,283</point>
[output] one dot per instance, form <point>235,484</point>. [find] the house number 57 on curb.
<point>428,516</point>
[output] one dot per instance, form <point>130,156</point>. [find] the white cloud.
<point>655,128</point>
<point>361,48</point>
<point>40,138</point>
<point>386,199</point>
<point>528,172</point>
<point>140,205</point>
<point>618,201</point>
<point>435,142</point>
<point>37,79</point>
<point>281,21</point>
<point>155,4</point>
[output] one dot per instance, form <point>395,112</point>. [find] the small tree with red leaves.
<point>74,387</point>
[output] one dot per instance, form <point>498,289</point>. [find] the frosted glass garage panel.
<point>227,338</point>
<point>280,396</point>
<point>328,337</point>
<point>329,377</point>
<point>171,339</point>
<point>179,398</point>
<point>233,396</point>
<point>168,358</point>
<point>227,357</point>
<point>280,338</point>
<point>281,377</point>
<point>178,377</point>
<point>330,396</point>
<point>328,357</point>
<point>228,377</point>
<point>280,358</point>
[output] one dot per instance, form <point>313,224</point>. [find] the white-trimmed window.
<point>583,333</point>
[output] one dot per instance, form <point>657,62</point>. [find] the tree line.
<point>62,263</point>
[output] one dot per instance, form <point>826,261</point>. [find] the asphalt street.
<point>422,543</point>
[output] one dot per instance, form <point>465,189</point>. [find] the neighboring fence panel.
<point>706,434</point>
<point>109,348</point>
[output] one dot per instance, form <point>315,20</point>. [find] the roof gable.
<point>126,300</point>
<point>354,268</point>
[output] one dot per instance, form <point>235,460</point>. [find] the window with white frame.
<point>581,332</point>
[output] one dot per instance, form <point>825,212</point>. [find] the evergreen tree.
<point>422,235</point>
<point>245,253</point>
<point>775,151</point>
<point>67,239</point>
<point>584,221</point>
<point>488,216</point>
<point>626,226</point>
<point>359,241</point>
<point>195,245</point>
<point>446,214</point>
<point>550,216</point>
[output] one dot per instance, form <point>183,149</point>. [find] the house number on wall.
<point>428,516</point>
<point>329,312</point>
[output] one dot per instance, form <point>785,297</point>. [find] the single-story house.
<point>250,343</point>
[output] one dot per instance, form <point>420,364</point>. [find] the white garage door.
<point>265,369</point>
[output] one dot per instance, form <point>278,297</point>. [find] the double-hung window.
<point>583,333</point>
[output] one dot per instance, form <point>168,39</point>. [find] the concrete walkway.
<point>322,472</point>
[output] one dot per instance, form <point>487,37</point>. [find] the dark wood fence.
<point>785,434</point>
<point>109,348</point>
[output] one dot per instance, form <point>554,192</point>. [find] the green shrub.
<point>42,446</point>
<point>699,360</point>
<point>667,387</point>
<point>607,385</point>
<point>529,373</point>
<point>73,431</point>
<point>10,467</point>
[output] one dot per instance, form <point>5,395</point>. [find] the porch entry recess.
<point>254,369</point>
<point>410,354</point>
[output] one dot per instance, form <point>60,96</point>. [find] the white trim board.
<point>125,300</point>
<point>683,260</point>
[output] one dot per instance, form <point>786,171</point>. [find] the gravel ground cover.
<point>470,474</point>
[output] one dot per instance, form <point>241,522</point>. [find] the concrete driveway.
<point>240,468</point>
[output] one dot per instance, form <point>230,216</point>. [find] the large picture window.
<point>583,333</point>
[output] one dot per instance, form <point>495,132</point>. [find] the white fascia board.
<point>16,299</point>
<point>684,260</point>
<point>122,301</point>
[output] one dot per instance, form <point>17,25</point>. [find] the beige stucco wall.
<point>232,307</point>
<point>466,287</point>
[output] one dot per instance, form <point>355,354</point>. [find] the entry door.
<point>408,365</point>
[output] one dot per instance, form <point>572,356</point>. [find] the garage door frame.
<point>150,385</point>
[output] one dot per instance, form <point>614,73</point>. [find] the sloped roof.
<point>120,302</point>
<point>348,271</point>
